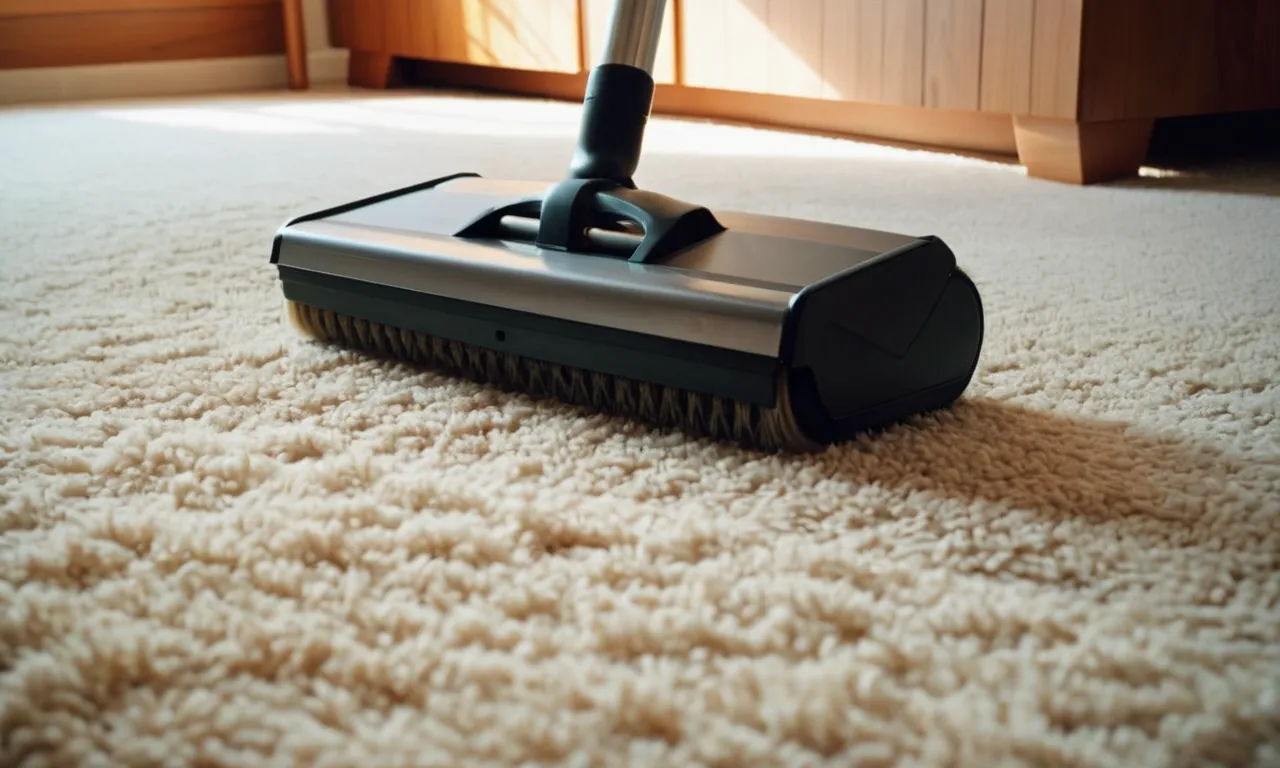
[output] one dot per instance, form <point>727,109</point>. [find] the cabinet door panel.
<point>1055,58</point>
<point>795,48</point>
<point>410,28</point>
<point>952,53</point>
<point>1007,29</point>
<point>873,51</point>
<point>520,34</point>
<point>756,46</point>
<point>903,74</point>
<point>704,42</point>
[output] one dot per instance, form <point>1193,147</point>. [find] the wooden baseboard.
<point>974,132</point>
<point>166,78</point>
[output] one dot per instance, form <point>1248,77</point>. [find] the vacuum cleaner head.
<point>779,333</point>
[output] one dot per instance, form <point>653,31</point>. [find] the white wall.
<point>315,15</point>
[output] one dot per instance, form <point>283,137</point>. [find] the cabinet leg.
<point>366,69</point>
<point>1081,153</point>
<point>295,44</point>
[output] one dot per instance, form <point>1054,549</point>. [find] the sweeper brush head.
<point>779,334</point>
<point>769,428</point>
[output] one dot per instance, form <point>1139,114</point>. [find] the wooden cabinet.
<point>1072,86</point>
<point>536,35</point>
<point>61,33</point>
<point>539,35</point>
<point>945,54</point>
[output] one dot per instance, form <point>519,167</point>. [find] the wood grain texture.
<point>452,40</point>
<point>1007,30</point>
<point>795,52</point>
<point>61,7</point>
<point>869,44</point>
<point>953,53</point>
<point>1055,58</point>
<point>532,34</point>
<point>1161,58</point>
<point>977,132</point>
<point>359,26</point>
<point>987,134</point>
<point>78,39</point>
<point>839,49</point>
<point>1081,153</point>
<point>295,44</point>
<point>703,42</point>
<point>367,69</point>
<point>595,21</point>
<point>748,42</point>
<point>537,34</point>
<point>340,19</point>
<point>902,74</point>
<point>493,34</point>
<point>410,28</point>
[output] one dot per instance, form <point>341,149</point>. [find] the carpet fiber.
<point>223,545</point>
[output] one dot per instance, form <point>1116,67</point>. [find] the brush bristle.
<point>771,428</point>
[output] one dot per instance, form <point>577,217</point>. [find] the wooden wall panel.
<point>539,35</point>
<point>1007,30</point>
<point>452,41</point>
<point>410,28</point>
<point>490,36</point>
<point>868,40</point>
<point>753,46</point>
<point>796,50</point>
<point>1092,60</point>
<point>564,36</point>
<point>596,28</point>
<point>1055,58</point>
<point>149,32</point>
<point>902,76</point>
<point>864,50</point>
<point>62,7</point>
<point>871,50</point>
<point>839,48</point>
<point>703,43</point>
<point>953,54</point>
<point>748,41</point>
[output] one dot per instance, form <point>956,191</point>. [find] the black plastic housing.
<point>615,113</point>
<point>868,327</point>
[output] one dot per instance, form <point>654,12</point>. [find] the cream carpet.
<point>225,546</point>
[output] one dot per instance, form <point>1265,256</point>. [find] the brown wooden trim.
<point>676,25</point>
<point>64,7</point>
<point>969,131</point>
<point>141,36</point>
<point>584,41</point>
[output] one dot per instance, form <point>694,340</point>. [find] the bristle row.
<point>695,413</point>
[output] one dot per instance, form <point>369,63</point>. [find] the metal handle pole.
<point>635,31</point>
